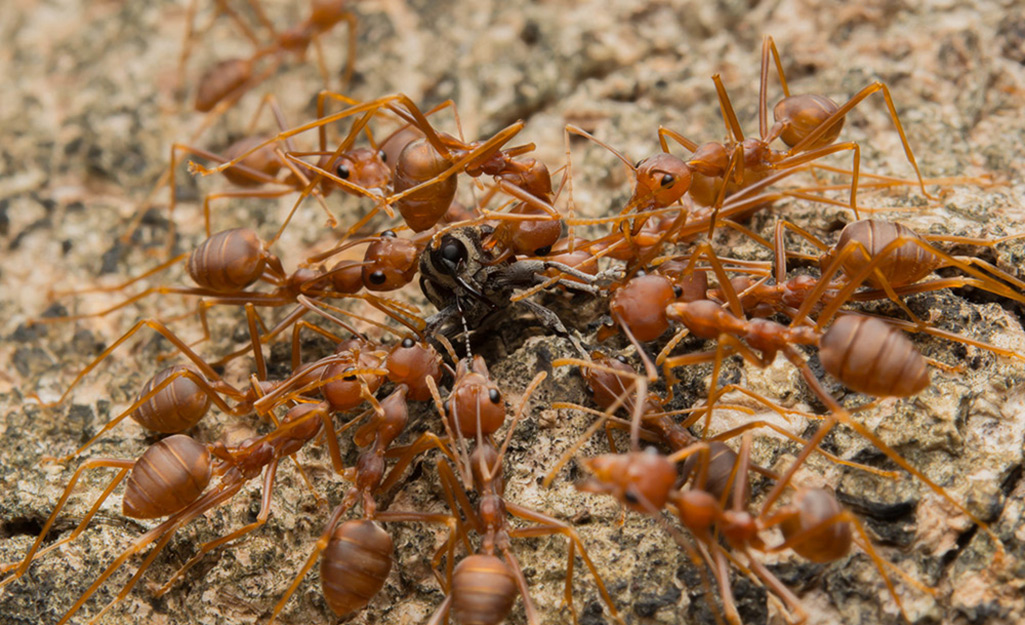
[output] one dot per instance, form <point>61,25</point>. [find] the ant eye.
<point>668,180</point>
<point>389,234</point>
<point>630,497</point>
<point>447,406</point>
<point>377,277</point>
<point>349,378</point>
<point>494,396</point>
<point>678,291</point>
<point>408,342</point>
<point>343,172</point>
<point>543,251</point>
<point>381,154</point>
<point>623,359</point>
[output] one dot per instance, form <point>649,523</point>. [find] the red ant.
<point>227,81</point>
<point>815,526</point>
<point>809,124</point>
<point>226,264</point>
<point>484,585</point>
<point>424,181</point>
<point>170,480</point>
<point>864,353</point>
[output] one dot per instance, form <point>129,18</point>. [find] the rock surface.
<point>91,105</point>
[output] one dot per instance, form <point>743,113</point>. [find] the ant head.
<point>641,480</point>
<point>390,262</point>
<point>362,167</point>
<point>662,179</point>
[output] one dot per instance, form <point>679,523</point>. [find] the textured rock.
<point>88,112</point>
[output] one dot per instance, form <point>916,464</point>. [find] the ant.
<point>864,353</point>
<point>227,81</point>
<point>814,526</point>
<point>484,586</point>
<point>170,480</point>
<point>360,170</point>
<point>226,264</point>
<point>424,178</point>
<point>809,124</point>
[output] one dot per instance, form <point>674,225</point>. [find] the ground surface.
<point>90,107</point>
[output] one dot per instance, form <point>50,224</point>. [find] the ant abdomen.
<point>264,160</point>
<point>906,263</point>
<point>641,306</point>
<point>872,357</point>
<point>177,407</point>
<point>170,474</point>
<point>228,261</point>
<point>418,163</point>
<point>814,509</point>
<point>719,463</point>
<point>802,114</point>
<point>483,590</point>
<point>355,565</point>
<point>220,81</point>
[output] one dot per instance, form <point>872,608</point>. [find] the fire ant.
<point>359,170</point>
<point>227,81</point>
<point>864,353</point>
<point>484,586</point>
<point>170,480</point>
<point>809,124</point>
<point>424,178</point>
<point>226,264</point>
<point>814,526</point>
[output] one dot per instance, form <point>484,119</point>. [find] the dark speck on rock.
<point>30,361</point>
<point>111,257</point>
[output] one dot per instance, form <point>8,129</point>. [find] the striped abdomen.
<point>168,476</point>
<point>871,357</point>
<point>832,541</point>
<point>418,163</point>
<point>355,565</point>
<point>228,261</point>
<point>483,590</point>
<point>176,407</point>
<point>906,263</point>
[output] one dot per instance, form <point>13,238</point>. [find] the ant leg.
<point>441,614</point>
<point>161,533</point>
<point>736,135</point>
<point>550,525</point>
<point>571,129</point>
<point>840,113</point>
<point>768,45</point>
<point>261,519</point>
<point>458,501</point>
<point>950,336</point>
<point>158,327</point>
<point>664,132</point>
<point>34,552</point>
<point>119,287</point>
<point>369,106</point>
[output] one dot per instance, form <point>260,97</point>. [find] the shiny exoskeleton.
<point>469,286</point>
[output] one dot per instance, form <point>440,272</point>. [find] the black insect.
<point>473,287</point>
